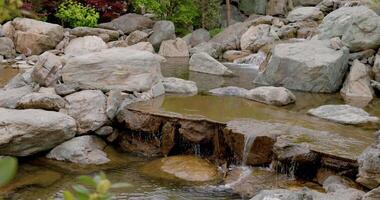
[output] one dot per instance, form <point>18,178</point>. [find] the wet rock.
<point>232,55</point>
<point>47,70</point>
<point>213,49</point>
<point>204,63</point>
<point>372,195</point>
<point>307,66</point>
<point>104,131</point>
<point>32,131</point>
<point>305,13</point>
<point>10,97</point>
<point>335,183</point>
<point>359,27</point>
<point>142,46</point>
<point>117,68</point>
<point>186,168</point>
<point>257,37</point>
<point>357,85</point>
<point>105,34</point>
<point>136,37</point>
<point>344,114</point>
<point>174,48</point>
<point>7,48</point>
<point>278,7</point>
<point>41,101</point>
<point>168,138</point>
<point>84,45</point>
<point>139,121</point>
<point>279,96</point>
<point>229,91</point>
<point>369,165</point>
<point>229,38</point>
<point>140,144</point>
<point>199,36</point>
<point>162,30</point>
<point>88,108</point>
<point>198,132</point>
<point>33,37</point>
<point>82,150</point>
<point>128,23</point>
<point>179,86</point>
<point>65,89</point>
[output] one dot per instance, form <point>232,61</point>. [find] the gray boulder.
<point>376,67</point>
<point>358,27</point>
<point>253,6</point>
<point>84,45</point>
<point>10,97</point>
<point>213,49</point>
<point>44,101</point>
<point>305,13</point>
<point>257,37</point>
<point>162,30</point>
<point>229,38</point>
<point>105,34</point>
<point>204,63</point>
<point>198,36</point>
<point>7,48</point>
<point>279,7</point>
<point>229,91</point>
<point>372,195</point>
<point>82,150</point>
<point>136,37</point>
<point>47,70</point>
<point>117,68</point>
<point>343,114</point>
<point>369,165</point>
<point>88,108</point>
<point>128,23</point>
<point>278,96</point>
<point>142,46</point>
<point>31,131</point>
<point>307,66</point>
<point>179,86</point>
<point>114,100</point>
<point>174,48</point>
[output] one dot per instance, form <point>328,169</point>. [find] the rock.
<point>88,108</point>
<point>117,68</point>
<point>213,49</point>
<point>187,39</point>
<point>307,66</point>
<point>84,45</point>
<point>306,2</point>
<point>204,63</point>
<point>186,168</point>
<point>236,15</point>
<point>114,100</point>
<point>199,36</point>
<point>256,37</point>
<point>47,70</point>
<point>357,85</point>
<point>162,30</point>
<point>372,195</point>
<point>369,165</point>
<point>83,150</point>
<point>376,67</point>
<point>179,86</point>
<point>136,37</point>
<point>105,34</point>
<point>33,37</point>
<point>306,29</point>
<point>7,48</point>
<point>128,23</point>
<point>32,131</point>
<point>336,43</point>
<point>253,7</point>
<point>229,38</point>
<point>253,60</point>
<point>44,101</point>
<point>358,27</point>
<point>142,46</point>
<point>278,96</point>
<point>278,7</point>
<point>20,80</point>
<point>232,55</point>
<point>10,97</point>
<point>229,91</point>
<point>104,131</point>
<point>174,48</point>
<point>335,183</point>
<point>282,194</point>
<point>65,89</point>
<point>343,114</point>
<point>304,13</point>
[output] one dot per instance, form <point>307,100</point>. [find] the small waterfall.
<point>197,149</point>
<point>253,60</point>
<point>248,142</point>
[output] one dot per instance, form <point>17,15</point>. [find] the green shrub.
<point>75,14</point>
<point>215,31</point>
<point>9,9</point>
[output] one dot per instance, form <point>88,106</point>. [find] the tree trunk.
<point>228,6</point>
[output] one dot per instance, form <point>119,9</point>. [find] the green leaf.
<point>81,190</point>
<point>87,180</point>
<point>120,185</point>
<point>8,169</point>
<point>67,195</point>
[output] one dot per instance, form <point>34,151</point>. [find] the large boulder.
<point>7,48</point>
<point>358,27</point>
<point>198,36</point>
<point>136,37</point>
<point>117,68</point>
<point>179,86</point>
<point>229,38</point>
<point>376,67</point>
<point>344,114</point>
<point>88,108</point>
<point>369,165</point>
<point>229,91</point>
<point>105,34</point>
<point>84,45</point>
<point>253,6</point>
<point>31,131</point>
<point>44,101</point>
<point>82,150</point>
<point>307,66</point>
<point>372,195</point>
<point>47,71</point>
<point>10,97</point>
<point>213,49</point>
<point>128,23</point>
<point>33,37</point>
<point>162,30</point>
<point>204,63</point>
<point>257,37</point>
<point>279,7</point>
<point>142,46</point>
<point>304,13</point>
<point>174,48</point>
<point>278,96</point>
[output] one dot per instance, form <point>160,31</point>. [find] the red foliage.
<point>108,9</point>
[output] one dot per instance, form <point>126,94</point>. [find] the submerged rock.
<point>84,45</point>
<point>88,108</point>
<point>278,96</point>
<point>229,91</point>
<point>185,168</point>
<point>204,63</point>
<point>179,86</point>
<point>41,101</point>
<point>32,131</point>
<point>162,30</point>
<point>174,48</point>
<point>344,114</point>
<point>82,150</point>
<point>307,66</point>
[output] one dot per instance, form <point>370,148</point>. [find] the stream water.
<point>216,108</point>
